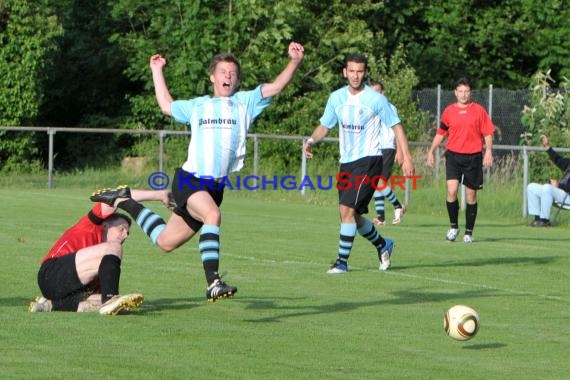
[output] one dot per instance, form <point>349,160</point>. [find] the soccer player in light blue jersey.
<point>359,110</point>
<point>219,126</point>
<point>390,153</point>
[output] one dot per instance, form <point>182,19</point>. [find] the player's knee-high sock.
<point>379,204</point>
<point>109,275</point>
<point>368,231</point>
<point>152,224</point>
<point>210,251</point>
<point>392,198</point>
<point>470,216</point>
<point>347,234</point>
<point>453,212</point>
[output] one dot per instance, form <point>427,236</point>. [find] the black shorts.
<point>58,281</point>
<point>184,185</point>
<point>388,157</point>
<point>357,195</point>
<point>466,168</point>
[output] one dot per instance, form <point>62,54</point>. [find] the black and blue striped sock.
<point>209,247</point>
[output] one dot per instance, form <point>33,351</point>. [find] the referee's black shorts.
<point>466,168</point>
<point>355,187</point>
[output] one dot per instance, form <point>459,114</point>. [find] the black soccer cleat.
<point>109,196</point>
<point>219,289</point>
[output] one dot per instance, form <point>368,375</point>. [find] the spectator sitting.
<point>541,196</point>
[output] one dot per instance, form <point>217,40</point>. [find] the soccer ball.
<point>461,322</point>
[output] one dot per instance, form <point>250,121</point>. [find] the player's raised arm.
<point>163,97</point>
<point>297,53</point>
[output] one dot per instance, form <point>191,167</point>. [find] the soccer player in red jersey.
<point>466,124</point>
<point>81,271</point>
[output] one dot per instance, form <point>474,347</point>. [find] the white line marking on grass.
<point>445,281</point>
<point>409,275</point>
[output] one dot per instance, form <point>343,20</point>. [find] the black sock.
<point>150,222</point>
<point>132,207</point>
<point>109,276</point>
<point>209,247</point>
<point>470,216</point>
<point>453,212</point>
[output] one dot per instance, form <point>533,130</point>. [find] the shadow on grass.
<point>148,307</point>
<point>16,301</point>
<point>484,346</point>
<point>402,298</point>
<point>529,260</point>
<point>157,305</point>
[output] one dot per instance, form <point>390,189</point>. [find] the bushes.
<point>548,114</point>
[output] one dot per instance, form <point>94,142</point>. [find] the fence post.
<point>525,181</point>
<point>490,107</point>
<point>50,132</point>
<point>161,134</point>
<point>407,192</point>
<point>255,159</point>
<point>303,165</point>
<point>437,121</point>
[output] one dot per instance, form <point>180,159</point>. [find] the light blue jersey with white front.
<point>359,118</point>
<point>387,137</point>
<point>219,129</point>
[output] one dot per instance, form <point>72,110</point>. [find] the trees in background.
<point>548,113</point>
<point>28,38</point>
<point>85,63</point>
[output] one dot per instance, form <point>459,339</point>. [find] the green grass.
<point>290,320</point>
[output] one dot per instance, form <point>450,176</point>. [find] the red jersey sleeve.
<point>86,232</point>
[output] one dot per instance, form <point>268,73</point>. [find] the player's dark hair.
<point>117,216</point>
<point>225,57</point>
<point>463,81</point>
<point>358,58</point>
<point>377,83</point>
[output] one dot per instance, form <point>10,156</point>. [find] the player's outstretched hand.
<point>296,51</point>
<point>157,61</point>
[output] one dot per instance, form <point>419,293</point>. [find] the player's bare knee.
<point>114,248</point>
<point>164,245</point>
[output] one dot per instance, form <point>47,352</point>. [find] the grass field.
<point>290,320</point>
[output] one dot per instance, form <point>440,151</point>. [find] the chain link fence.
<point>504,106</point>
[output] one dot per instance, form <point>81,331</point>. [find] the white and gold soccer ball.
<point>461,322</point>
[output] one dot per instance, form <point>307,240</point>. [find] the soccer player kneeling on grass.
<point>81,272</point>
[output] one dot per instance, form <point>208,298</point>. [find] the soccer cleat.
<point>110,196</point>
<point>467,239</point>
<point>39,305</point>
<point>338,267</point>
<point>386,254</point>
<point>379,221</point>
<point>118,304</point>
<point>219,289</point>
<point>452,234</point>
<point>398,215</point>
